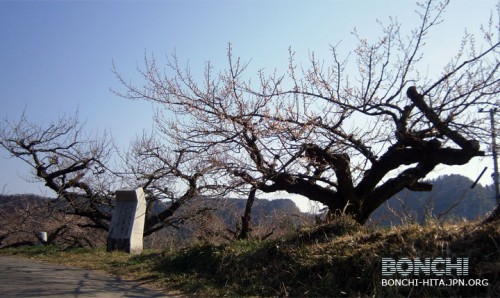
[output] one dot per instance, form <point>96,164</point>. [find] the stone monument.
<point>42,238</point>
<point>127,224</point>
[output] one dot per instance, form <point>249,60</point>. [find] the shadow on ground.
<point>29,278</point>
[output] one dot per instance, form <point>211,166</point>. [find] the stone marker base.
<point>119,244</point>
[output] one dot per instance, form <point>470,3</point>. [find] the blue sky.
<point>56,57</point>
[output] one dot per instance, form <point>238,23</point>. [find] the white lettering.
<point>402,264</point>
<point>438,267</point>
<point>438,262</point>
<point>457,266</point>
<point>424,267</point>
<point>388,266</point>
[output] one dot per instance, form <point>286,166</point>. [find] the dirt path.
<point>30,278</point>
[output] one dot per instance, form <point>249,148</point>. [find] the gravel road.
<point>30,278</point>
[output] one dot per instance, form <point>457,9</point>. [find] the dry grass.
<point>336,259</point>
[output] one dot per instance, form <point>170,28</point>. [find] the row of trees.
<point>24,217</point>
<point>79,169</point>
<point>297,132</point>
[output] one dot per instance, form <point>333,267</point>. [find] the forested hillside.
<point>219,220</point>
<point>450,198</point>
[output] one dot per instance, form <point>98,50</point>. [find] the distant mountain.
<point>230,210</point>
<point>9,203</point>
<point>450,198</point>
<point>262,209</point>
<point>222,220</point>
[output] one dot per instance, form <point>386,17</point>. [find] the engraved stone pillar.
<point>127,224</point>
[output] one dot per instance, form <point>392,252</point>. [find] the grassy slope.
<point>338,259</point>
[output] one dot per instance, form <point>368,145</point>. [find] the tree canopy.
<point>349,134</point>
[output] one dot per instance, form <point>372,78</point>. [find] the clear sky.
<point>56,57</point>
